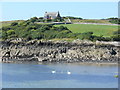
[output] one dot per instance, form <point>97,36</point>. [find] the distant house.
<point>52,15</point>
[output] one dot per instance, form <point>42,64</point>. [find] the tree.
<point>14,24</point>
<point>10,32</point>
<point>40,18</point>
<point>116,37</point>
<point>48,20</point>
<point>62,28</point>
<point>34,19</point>
<point>114,20</point>
<point>4,35</point>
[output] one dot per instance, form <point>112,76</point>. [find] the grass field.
<point>91,21</point>
<point>105,30</point>
<point>6,23</point>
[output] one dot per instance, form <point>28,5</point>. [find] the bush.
<point>10,32</point>
<point>114,20</point>
<point>34,19</point>
<point>62,28</point>
<point>48,20</point>
<point>116,37</point>
<point>117,32</point>
<point>29,30</point>
<point>87,35</point>
<point>14,24</point>
<point>70,17</point>
<point>4,35</point>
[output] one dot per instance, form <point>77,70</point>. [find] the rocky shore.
<point>58,51</point>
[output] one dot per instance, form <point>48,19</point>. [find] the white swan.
<point>53,71</point>
<point>68,72</point>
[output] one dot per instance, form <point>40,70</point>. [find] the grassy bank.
<point>91,21</point>
<point>34,30</point>
<point>98,30</point>
<point>105,30</point>
<point>7,23</point>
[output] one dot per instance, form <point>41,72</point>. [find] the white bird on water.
<point>68,72</point>
<point>53,71</point>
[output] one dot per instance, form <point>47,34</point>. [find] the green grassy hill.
<point>95,21</point>
<point>105,30</point>
<point>28,29</point>
<point>6,23</point>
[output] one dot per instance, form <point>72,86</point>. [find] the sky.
<point>87,10</point>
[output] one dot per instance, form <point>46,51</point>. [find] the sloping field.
<point>105,30</point>
<point>91,21</point>
<point>6,23</point>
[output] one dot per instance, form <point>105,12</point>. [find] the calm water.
<point>40,76</point>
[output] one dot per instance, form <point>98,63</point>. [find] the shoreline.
<point>78,63</point>
<point>49,51</point>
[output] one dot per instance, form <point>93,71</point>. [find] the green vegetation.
<point>98,30</point>
<point>114,20</point>
<point>94,21</point>
<point>6,23</point>
<point>116,76</point>
<point>70,17</point>
<point>29,29</point>
<point>94,32</point>
<point>35,19</point>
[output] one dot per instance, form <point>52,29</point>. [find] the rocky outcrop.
<point>76,51</point>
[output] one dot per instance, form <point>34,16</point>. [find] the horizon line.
<point>62,16</point>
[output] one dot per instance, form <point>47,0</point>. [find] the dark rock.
<point>58,51</point>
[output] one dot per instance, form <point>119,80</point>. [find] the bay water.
<point>58,75</point>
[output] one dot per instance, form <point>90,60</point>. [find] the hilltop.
<point>28,40</point>
<point>38,28</point>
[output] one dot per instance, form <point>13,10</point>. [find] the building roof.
<point>51,13</point>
